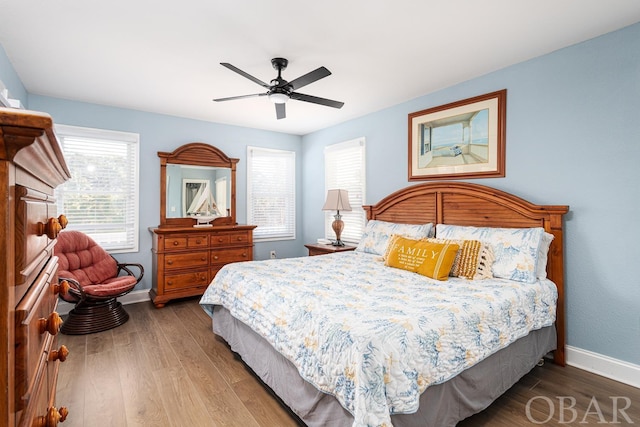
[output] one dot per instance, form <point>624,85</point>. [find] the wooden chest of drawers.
<point>31,166</point>
<point>185,259</point>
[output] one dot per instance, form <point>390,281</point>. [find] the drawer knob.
<point>239,238</point>
<point>62,219</point>
<point>198,241</point>
<point>51,324</point>
<point>170,262</point>
<point>203,277</point>
<point>203,258</point>
<point>170,282</point>
<point>61,288</point>
<point>220,239</point>
<point>51,228</point>
<point>215,257</point>
<point>175,243</point>
<point>244,254</point>
<point>59,354</point>
<point>53,417</point>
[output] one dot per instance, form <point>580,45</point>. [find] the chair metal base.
<point>89,317</point>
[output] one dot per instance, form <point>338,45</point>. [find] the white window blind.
<point>344,168</point>
<point>271,203</point>
<point>101,199</point>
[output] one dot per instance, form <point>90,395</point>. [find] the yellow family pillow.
<point>430,259</point>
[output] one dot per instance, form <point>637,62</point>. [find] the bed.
<point>345,339</point>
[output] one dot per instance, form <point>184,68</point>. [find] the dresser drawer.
<point>36,400</point>
<point>186,259</point>
<point>41,404</point>
<point>33,248</point>
<point>35,323</point>
<point>186,242</point>
<point>231,238</point>
<point>222,256</point>
<point>175,282</point>
<point>175,243</point>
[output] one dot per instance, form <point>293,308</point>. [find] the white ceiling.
<point>164,57</point>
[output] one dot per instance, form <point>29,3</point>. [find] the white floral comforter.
<point>373,336</point>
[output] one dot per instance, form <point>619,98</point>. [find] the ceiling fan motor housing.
<point>279,63</point>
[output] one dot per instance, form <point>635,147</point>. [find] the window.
<point>271,203</point>
<point>101,199</point>
<point>344,168</point>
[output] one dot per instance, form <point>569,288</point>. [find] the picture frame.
<point>462,139</point>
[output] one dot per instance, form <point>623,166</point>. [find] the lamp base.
<point>338,226</point>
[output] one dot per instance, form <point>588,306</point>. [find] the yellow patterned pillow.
<point>421,256</point>
<point>473,260</point>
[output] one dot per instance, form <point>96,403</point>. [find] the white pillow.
<point>543,251</point>
<point>516,250</point>
<point>377,233</point>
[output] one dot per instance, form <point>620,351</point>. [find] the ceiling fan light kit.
<point>280,90</point>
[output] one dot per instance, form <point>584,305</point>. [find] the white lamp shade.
<point>337,200</point>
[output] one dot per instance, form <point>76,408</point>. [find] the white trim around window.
<point>101,199</point>
<point>271,193</point>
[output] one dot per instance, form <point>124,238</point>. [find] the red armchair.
<point>96,280</point>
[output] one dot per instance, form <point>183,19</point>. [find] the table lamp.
<point>337,200</point>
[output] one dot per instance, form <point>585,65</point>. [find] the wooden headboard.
<point>461,203</point>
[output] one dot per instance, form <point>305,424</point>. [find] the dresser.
<point>198,233</point>
<point>31,166</point>
<point>185,259</point>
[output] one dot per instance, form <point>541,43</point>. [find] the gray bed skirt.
<point>441,405</point>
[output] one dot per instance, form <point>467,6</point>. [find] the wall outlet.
<point>272,254</point>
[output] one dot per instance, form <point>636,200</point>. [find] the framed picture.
<point>464,139</point>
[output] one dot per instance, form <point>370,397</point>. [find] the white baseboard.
<point>130,298</point>
<point>615,369</point>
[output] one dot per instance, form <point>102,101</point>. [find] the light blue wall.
<point>10,79</point>
<point>573,137</point>
<point>166,133</point>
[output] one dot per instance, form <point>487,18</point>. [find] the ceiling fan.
<point>280,90</point>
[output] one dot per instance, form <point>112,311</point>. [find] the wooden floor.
<point>164,367</point>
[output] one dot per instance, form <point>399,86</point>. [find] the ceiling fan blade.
<point>243,74</point>
<point>280,111</point>
<point>316,100</point>
<point>231,98</point>
<point>311,77</point>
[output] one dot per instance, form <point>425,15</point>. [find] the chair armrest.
<point>126,267</point>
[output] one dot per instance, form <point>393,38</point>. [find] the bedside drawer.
<point>186,259</point>
<point>36,322</point>
<point>231,255</point>
<point>175,282</point>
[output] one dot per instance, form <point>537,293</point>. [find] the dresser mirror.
<point>197,187</point>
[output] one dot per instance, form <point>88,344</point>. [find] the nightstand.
<point>320,249</point>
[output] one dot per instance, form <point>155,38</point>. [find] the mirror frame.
<point>195,154</point>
